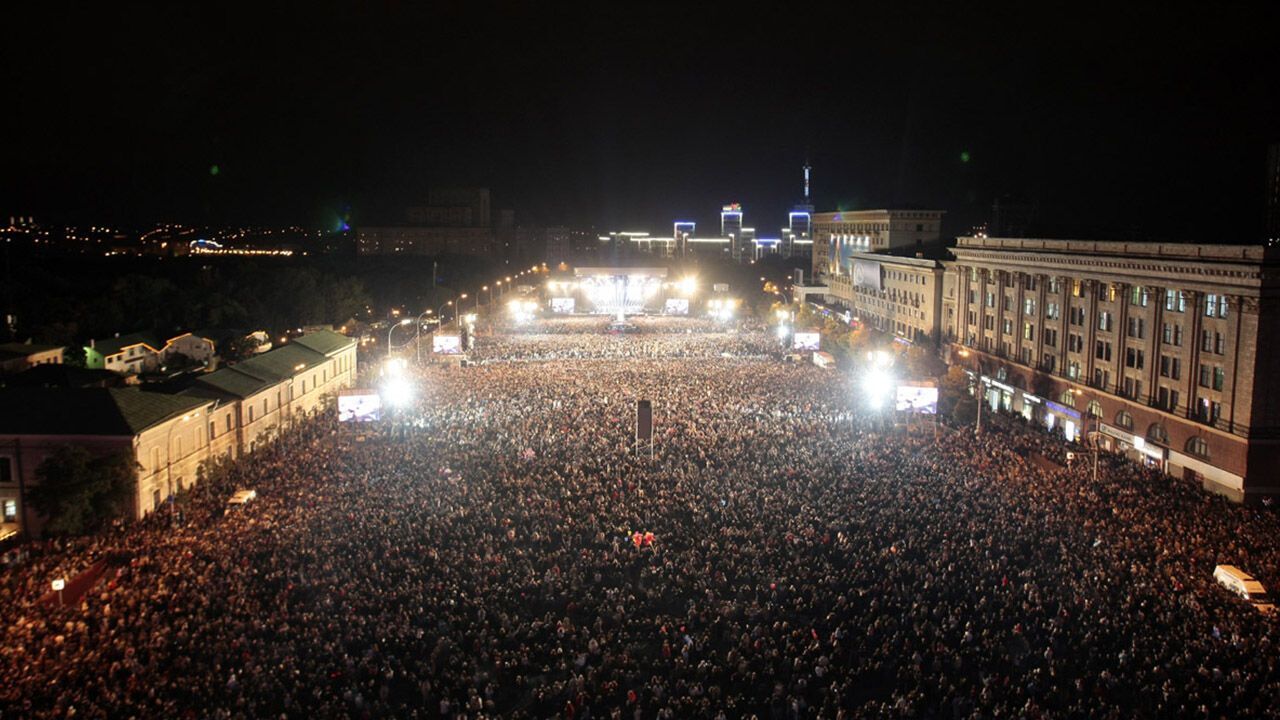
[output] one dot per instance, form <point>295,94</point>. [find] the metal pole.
<point>977,430</point>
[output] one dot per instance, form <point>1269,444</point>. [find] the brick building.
<point>1158,351</point>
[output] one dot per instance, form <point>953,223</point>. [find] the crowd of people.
<point>506,548</point>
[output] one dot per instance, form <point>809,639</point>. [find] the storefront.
<point>998,395</point>
<point>1136,448</point>
<point>1057,415</point>
<point>1029,405</point>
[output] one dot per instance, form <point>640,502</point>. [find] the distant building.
<point>797,241</point>
<point>558,246</point>
<point>731,220</point>
<point>1010,217</point>
<point>272,389</point>
<point>837,234</point>
<point>901,296</point>
<point>474,242</point>
<point>17,357</point>
<point>453,207</point>
<point>138,353</point>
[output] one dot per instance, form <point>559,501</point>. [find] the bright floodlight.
<point>394,366</point>
<point>877,385</point>
<point>782,332</point>
<point>397,391</point>
<point>688,285</point>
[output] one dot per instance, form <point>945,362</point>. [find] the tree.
<point>954,396</point>
<point>237,348</point>
<point>78,492</point>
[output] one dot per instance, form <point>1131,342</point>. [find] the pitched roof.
<point>281,363</point>
<point>88,411</point>
<point>111,346</point>
<point>9,351</point>
<point>325,342</point>
<point>231,381</point>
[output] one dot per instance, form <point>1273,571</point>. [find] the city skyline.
<point>618,117</point>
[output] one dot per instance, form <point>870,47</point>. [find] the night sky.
<point>1115,122</point>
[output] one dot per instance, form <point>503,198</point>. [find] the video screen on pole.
<point>446,344</point>
<point>562,305</point>
<point>359,406</point>
<point>806,341</point>
<point>918,398</point>
<point>677,306</point>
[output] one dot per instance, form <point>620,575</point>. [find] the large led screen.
<point>446,344</point>
<point>918,398</point>
<point>806,341</point>
<point>562,305</point>
<point>677,306</point>
<point>359,406</point>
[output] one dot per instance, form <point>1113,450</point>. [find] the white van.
<point>239,499</point>
<point>1243,584</point>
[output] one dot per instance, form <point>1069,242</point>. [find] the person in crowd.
<point>474,556</point>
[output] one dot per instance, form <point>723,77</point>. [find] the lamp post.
<point>417,339</point>
<point>488,290</point>
<point>391,329</point>
<point>977,387</point>
<point>1091,436</point>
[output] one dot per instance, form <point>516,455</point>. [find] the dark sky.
<point>1113,121</point>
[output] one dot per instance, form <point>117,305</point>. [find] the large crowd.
<point>506,548</point>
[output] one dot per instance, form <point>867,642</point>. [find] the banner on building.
<point>867,274</point>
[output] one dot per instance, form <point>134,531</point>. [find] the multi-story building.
<point>559,245</point>
<point>18,357</point>
<point>164,436</point>
<point>838,233</point>
<point>144,352</point>
<point>1160,347</point>
<point>225,414</point>
<point>897,295</point>
<point>453,207</point>
<point>472,241</point>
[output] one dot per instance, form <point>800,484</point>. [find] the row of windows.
<point>1156,432</point>
<point>1215,306</point>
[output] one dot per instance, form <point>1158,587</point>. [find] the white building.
<point>227,413</point>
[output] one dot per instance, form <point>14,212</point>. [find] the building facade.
<point>897,295</point>
<point>224,415</point>
<point>18,357</point>
<point>143,352</point>
<point>1158,351</point>
<point>472,241</point>
<point>836,234</point>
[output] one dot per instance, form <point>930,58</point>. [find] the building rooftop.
<point>325,342</point>
<point>88,411</point>
<point>1171,251</point>
<point>284,362</point>
<point>12,351</point>
<point>230,381</point>
<point>111,346</point>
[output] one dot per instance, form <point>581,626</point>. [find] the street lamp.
<point>1090,435</point>
<point>417,340</point>
<point>391,329</point>
<point>485,288</point>
<point>977,387</point>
